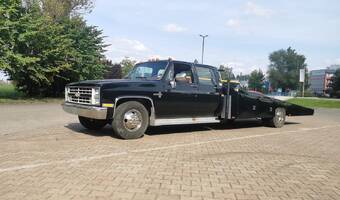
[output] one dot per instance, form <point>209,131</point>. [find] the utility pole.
<point>303,89</point>
<point>302,81</point>
<point>203,38</point>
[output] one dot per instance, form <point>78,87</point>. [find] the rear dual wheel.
<point>278,120</point>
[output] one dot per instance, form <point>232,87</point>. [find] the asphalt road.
<point>46,154</point>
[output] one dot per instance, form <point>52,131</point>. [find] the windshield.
<point>148,70</point>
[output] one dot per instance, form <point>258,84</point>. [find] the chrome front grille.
<point>82,95</point>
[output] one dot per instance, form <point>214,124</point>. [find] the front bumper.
<point>85,111</point>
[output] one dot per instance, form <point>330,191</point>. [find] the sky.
<point>241,33</point>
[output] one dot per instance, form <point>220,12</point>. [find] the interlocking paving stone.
<point>62,160</point>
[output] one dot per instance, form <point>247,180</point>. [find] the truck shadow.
<point>242,124</point>
<point>78,128</point>
<point>162,130</point>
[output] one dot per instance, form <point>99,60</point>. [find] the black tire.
<point>92,124</point>
<point>131,119</point>
<point>278,120</point>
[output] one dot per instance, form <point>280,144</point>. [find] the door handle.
<point>194,86</point>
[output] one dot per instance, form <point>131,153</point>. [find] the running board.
<point>177,121</point>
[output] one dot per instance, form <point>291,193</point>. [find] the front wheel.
<point>92,124</point>
<point>131,119</point>
<point>278,120</point>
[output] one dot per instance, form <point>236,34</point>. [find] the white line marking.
<point>75,160</point>
<point>82,159</point>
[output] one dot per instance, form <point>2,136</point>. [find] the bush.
<point>8,91</point>
<point>308,93</point>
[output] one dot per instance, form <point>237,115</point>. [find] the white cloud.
<point>337,61</point>
<point>238,67</point>
<point>160,57</point>
<point>328,62</point>
<point>254,9</point>
<point>126,45</point>
<point>174,28</point>
<point>233,23</point>
<point>122,47</point>
<point>245,66</point>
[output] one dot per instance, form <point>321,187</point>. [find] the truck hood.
<point>123,85</point>
<point>108,82</point>
<point>99,82</point>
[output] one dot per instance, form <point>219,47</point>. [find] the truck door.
<point>208,92</point>
<point>180,101</point>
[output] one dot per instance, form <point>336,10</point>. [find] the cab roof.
<point>183,62</point>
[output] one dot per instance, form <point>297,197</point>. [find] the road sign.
<point>302,75</point>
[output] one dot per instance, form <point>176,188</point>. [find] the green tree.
<point>335,84</point>
<point>226,72</point>
<point>60,9</point>
<point>127,65</point>
<point>41,55</point>
<point>242,77</point>
<point>87,48</point>
<point>284,69</point>
<point>256,80</point>
<point>10,12</point>
<point>113,71</point>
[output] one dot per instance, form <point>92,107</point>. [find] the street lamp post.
<point>203,38</point>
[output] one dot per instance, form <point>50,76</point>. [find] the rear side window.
<point>205,76</point>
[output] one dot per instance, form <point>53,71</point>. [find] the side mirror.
<point>173,84</point>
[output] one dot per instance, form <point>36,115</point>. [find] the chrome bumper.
<point>85,111</point>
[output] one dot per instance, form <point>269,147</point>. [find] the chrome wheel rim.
<point>280,116</point>
<point>132,120</point>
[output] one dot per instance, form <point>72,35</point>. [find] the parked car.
<point>169,92</point>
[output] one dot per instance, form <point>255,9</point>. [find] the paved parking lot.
<point>46,154</point>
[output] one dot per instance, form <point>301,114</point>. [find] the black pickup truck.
<point>167,92</point>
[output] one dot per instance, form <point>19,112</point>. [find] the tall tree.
<point>242,77</point>
<point>87,47</point>
<point>113,71</point>
<point>41,55</point>
<point>10,13</point>
<point>226,72</point>
<point>59,9</point>
<point>127,65</point>
<point>256,80</point>
<point>284,69</point>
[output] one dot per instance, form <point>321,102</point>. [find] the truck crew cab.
<point>167,92</point>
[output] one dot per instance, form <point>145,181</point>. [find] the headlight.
<point>96,96</point>
<point>66,94</point>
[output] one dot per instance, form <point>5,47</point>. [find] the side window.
<point>183,73</point>
<point>205,76</point>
